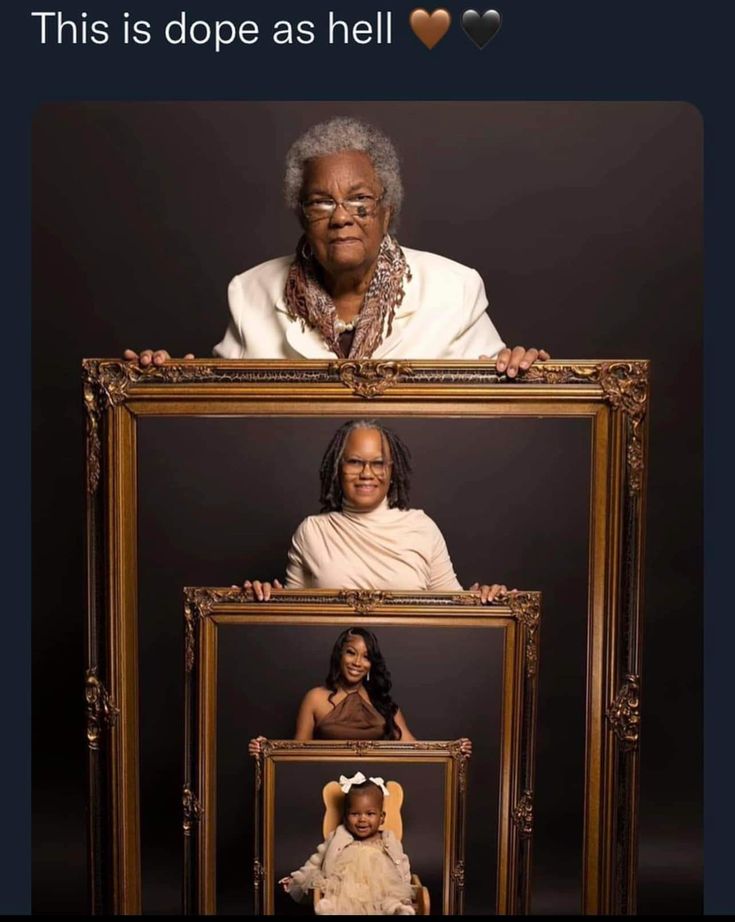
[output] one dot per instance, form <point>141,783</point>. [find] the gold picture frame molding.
<point>443,753</point>
<point>207,610</point>
<point>612,394</point>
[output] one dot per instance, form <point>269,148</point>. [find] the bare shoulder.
<point>316,696</point>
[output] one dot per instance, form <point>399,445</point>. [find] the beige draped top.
<point>383,549</point>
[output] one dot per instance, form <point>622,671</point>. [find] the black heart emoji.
<point>481,28</point>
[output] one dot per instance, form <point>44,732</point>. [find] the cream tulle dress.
<point>365,881</point>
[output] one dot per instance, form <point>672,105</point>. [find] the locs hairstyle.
<point>400,478</point>
<point>378,686</point>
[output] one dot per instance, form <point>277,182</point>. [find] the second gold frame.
<point>209,610</point>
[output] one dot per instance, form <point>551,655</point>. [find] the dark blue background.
<point>563,50</point>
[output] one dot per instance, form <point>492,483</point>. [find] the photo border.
<point>613,394</point>
<point>426,753</point>
<point>518,616</point>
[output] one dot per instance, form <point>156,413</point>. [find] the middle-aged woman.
<point>366,536</point>
<point>350,290</point>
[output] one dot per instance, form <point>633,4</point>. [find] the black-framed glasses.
<point>356,466</point>
<point>361,205</point>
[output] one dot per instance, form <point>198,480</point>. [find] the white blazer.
<point>442,316</point>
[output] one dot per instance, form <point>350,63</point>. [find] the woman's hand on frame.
<point>465,746</point>
<point>255,746</point>
<point>489,593</point>
<point>151,356</point>
<point>511,361</point>
<point>261,591</point>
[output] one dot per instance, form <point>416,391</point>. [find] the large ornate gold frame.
<point>613,395</point>
<point>207,610</point>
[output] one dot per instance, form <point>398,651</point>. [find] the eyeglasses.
<point>355,466</point>
<point>357,206</point>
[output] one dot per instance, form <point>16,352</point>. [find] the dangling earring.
<point>368,676</point>
<point>306,255</point>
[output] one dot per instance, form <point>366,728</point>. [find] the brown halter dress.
<point>352,719</point>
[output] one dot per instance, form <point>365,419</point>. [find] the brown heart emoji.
<point>430,28</point>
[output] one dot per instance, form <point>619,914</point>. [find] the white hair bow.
<point>359,778</point>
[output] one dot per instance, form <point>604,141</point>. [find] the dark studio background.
<point>585,222</point>
<point>235,520</point>
<point>422,813</point>
<point>263,673</point>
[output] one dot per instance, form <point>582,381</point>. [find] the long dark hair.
<point>400,480</point>
<point>379,684</point>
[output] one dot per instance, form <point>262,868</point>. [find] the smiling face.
<point>343,242</point>
<point>364,812</point>
<point>354,661</point>
<point>365,486</point>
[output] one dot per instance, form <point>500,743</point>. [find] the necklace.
<point>344,326</point>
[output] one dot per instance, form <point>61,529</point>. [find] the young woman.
<point>355,701</point>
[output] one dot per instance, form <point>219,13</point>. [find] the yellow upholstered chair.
<point>333,807</point>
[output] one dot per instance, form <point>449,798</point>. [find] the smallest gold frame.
<point>517,616</point>
<point>447,754</point>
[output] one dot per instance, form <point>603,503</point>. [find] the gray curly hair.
<point>341,134</point>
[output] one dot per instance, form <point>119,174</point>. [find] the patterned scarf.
<point>308,302</point>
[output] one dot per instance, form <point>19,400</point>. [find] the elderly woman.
<point>350,290</point>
